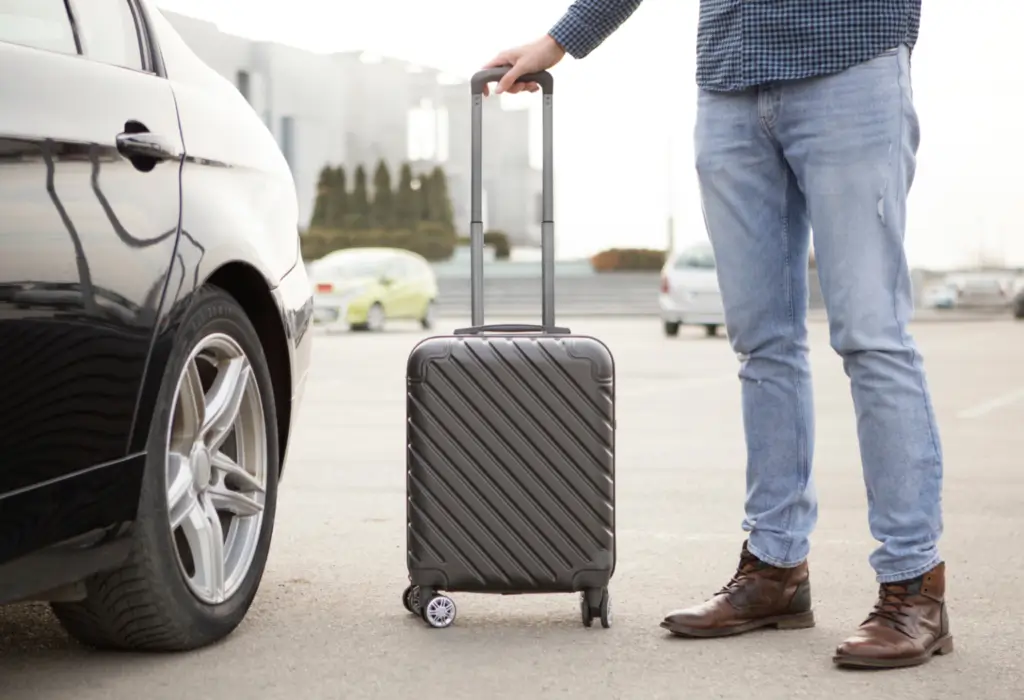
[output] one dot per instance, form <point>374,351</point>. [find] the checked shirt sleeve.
<point>587,23</point>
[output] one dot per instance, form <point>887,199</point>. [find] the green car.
<point>363,288</point>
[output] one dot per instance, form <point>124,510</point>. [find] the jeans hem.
<point>910,573</point>
<point>773,561</point>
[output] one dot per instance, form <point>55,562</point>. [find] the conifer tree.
<point>359,201</point>
<point>382,209</point>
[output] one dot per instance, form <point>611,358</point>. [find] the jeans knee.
<point>855,333</point>
<point>761,345</point>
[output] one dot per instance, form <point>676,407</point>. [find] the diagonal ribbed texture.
<point>511,462</point>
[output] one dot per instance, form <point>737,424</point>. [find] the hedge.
<point>628,260</point>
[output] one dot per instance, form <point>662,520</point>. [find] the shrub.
<point>433,241</point>
<point>499,241</point>
<point>628,260</point>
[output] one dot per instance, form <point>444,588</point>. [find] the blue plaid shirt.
<point>743,43</point>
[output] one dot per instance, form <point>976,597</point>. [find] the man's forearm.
<point>587,23</point>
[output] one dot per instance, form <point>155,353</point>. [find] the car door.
<point>403,287</point>
<point>90,154</point>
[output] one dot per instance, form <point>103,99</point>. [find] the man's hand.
<point>529,58</point>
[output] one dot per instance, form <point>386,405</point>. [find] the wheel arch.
<point>252,292</point>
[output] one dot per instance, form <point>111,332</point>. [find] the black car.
<point>154,327</point>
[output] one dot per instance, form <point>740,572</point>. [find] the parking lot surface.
<point>328,622</point>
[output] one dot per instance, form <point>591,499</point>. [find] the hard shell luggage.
<point>510,454</point>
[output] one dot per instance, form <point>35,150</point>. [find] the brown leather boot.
<point>759,595</point>
<point>907,627</point>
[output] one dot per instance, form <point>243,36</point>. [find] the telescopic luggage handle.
<point>476,226</point>
<point>493,75</point>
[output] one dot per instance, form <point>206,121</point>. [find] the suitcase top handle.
<point>493,75</point>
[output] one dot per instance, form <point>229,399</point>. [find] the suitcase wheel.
<point>411,599</point>
<point>603,610</point>
<point>439,612</point>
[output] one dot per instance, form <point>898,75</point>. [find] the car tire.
<point>427,321</point>
<point>375,318</point>
<point>149,603</point>
<point>711,330</point>
<point>671,328</point>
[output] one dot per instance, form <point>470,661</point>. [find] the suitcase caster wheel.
<point>602,610</point>
<point>411,599</point>
<point>586,615</point>
<point>439,612</point>
<point>606,609</point>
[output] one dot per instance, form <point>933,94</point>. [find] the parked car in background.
<point>364,288</point>
<point>689,291</point>
<point>981,290</point>
<point>939,296</point>
<point>154,315</point>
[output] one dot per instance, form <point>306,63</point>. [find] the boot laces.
<point>892,603</point>
<point>746,568</point>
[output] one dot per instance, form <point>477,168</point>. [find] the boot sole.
<point>940,647</point>
<point>782,622</point>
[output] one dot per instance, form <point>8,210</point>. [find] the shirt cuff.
<point>575,36</point>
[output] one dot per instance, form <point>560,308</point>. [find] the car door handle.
<point>145,144</point>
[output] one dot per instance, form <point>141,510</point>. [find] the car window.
<point>41,24</point>
<point>401,268</point>
<point>696,258</point>
<point>359,268</point>
<point>108,32</point>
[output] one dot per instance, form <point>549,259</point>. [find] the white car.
<point>939,296</point>
<point>689,291</point>
<point>362,288</point>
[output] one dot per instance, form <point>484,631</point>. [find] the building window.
<point>287,141</point>
<point>428,132</point>
<point>242,83</point>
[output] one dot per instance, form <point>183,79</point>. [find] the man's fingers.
<point>505,58</point>
<point>523,87</point>
<point>510,78</point>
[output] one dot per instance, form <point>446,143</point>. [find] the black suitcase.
<point>510,450</point>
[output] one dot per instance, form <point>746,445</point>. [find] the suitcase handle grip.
<point>513,328</point>
<point>492,75</point>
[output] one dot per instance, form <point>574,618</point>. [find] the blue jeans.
<point>836,155</point>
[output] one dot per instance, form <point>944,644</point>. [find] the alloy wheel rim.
<point>216,468</point>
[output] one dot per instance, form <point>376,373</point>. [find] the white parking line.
<point>998,402</point>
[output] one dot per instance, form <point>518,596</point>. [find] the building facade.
<point>350,109</point>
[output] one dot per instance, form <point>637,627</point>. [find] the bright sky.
<point>618,110</point>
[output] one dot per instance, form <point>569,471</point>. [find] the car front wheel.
<point>208,499</point>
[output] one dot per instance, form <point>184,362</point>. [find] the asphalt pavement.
<point>328,622</point>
